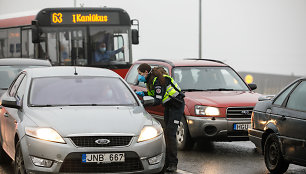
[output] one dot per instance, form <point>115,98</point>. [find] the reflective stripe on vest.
<point>170,91</point>
<point>151,93</point>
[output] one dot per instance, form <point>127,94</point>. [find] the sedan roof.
<point>24,61</point>
<point>69,71</point>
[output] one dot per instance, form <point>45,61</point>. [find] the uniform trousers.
<point>172,117</point>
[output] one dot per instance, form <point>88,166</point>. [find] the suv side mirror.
<point>253,86</point>
<point>135,36</point>
<point>148,100</point>
<point>10,102</point>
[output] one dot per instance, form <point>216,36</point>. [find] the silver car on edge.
<point>78,120</point>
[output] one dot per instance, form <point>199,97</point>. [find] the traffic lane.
<point>216,158</point>
<point>227,157</point>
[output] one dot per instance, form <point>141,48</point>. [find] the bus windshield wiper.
<point>220,89</point>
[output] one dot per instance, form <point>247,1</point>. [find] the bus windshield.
<point>93,45</point>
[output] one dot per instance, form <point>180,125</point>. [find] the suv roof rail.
<point>213,60</point>
<point>158,60</point>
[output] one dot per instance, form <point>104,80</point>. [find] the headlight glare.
<point>206,110</point>
<point>149,132</point>
<point>47,134</point>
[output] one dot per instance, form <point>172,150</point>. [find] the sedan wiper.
<point>3,88</point>
<point>220,89</point>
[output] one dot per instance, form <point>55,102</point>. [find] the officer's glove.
<point>140,93</point>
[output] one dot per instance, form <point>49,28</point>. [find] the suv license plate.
<point>103,157</point>
<point>242,126</point>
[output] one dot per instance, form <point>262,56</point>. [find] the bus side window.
<point>119,43</point>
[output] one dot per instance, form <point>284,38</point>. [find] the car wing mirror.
<point>10,102</point>
<point>252,86</point>
<point>147,100</point>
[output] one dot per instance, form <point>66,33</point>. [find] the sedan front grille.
<point>239,112</point>
<point>91,141</point>
<point>73,164</point>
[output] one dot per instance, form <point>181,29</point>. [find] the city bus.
<point>72,36</point>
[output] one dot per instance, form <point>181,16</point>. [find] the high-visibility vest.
<point>170,90</point>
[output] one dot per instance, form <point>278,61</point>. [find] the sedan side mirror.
<point>253,86</point>
<point>10,102</point>
<point>148,100</point>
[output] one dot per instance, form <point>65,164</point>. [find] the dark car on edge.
<point>278,127</point>
<point>10,67</point>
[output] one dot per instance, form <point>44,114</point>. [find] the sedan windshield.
<point>79,91</point>
<point>208,79</point>
<point>8,74</point>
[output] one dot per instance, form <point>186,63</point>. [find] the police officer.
<point>166,91</point>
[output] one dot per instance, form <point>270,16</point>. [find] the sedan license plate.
<point>242,126</point>
<point>103,157</point>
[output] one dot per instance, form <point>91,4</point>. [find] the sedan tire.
<point>274,159</point>
<point>184,140</point>
<point>19,162</point>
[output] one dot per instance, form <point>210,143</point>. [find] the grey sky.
<point>267,36</point>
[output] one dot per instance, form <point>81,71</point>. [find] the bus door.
<point>64,46</point>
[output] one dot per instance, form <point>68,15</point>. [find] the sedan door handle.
<point>6,114</point>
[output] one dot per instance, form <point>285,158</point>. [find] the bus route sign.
<point>66,18</point>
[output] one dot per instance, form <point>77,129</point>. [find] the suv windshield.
<point>208,78</point>
<point>8,74</point>
<point>79,91</point>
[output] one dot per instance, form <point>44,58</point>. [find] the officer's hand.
<point>140,93</point>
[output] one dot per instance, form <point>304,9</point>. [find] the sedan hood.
<point>81,120</point>
<point>224,98</point>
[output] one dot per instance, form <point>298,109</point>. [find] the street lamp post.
<point>200,29</point>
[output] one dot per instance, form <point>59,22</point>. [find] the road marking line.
<point>182,172</point>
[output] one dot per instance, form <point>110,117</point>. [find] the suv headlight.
<point>150,132</point>
<point>47,134</point>
<point>206,110</point>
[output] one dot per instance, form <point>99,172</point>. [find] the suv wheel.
<point>19,162</point>
<point>184,140</point>
<point>274,159</point>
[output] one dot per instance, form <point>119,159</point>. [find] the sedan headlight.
<point>47,134</point>
<point>206,110</point>
<point>150,132</point>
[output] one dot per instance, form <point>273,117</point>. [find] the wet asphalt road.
<point>216,158</point>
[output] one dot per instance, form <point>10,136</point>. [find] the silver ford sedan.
<point>78,120</point>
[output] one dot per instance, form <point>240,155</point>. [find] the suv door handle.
<point>6,114</point>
